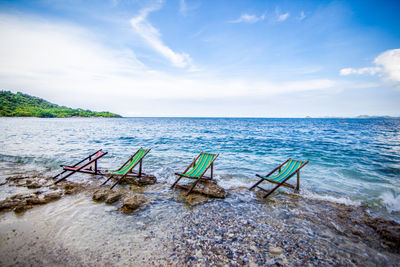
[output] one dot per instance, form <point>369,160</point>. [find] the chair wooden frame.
<point>200,177</point>
<point>85,168</point>
<point>283,183</point>
<point>129,172</point>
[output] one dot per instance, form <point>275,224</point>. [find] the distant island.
<point>24,105</point>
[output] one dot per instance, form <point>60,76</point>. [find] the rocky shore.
<point>152,225</point>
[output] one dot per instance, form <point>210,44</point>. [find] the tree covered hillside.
<point>24,105</point>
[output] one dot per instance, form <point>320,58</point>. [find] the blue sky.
<point>206,58</point>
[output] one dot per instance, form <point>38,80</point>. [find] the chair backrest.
<point>203,162</point>
<point>93,159</point>
<point>135,159</point>
<point>289,168</point>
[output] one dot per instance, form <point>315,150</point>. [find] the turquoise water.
<point>352,161</point>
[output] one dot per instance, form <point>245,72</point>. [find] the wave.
<point>390,201</point>
<point>332,198</point>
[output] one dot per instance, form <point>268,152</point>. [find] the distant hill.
<point>24,105</point>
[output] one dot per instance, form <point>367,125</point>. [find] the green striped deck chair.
<point>196,170</point>
<point>286,170</point>
<point>126,169</point>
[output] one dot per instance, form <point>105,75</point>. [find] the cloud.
<point>185,8</point>
<point>283,17</point>
<point>387,66</point>
<point>67,64</point>
<point>153,37</point>
<point>247,18</point>
<point>390,62</point>
<point>302,15</point>
<point>370,71</point>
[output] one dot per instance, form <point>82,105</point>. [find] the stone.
<point>22,208</point>
<point>35,201</point>
<point>33,185</point>
<point>132,202</point>
<point>7,204</point>
<point>193,199</point>
<point>101,194</point>
<point>145,179</point>
<point>209,188</point>
<point>275,250</point>
<point>52,196</point>
<point>113,197</point>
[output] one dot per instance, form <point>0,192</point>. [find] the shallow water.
<point>355,162</point>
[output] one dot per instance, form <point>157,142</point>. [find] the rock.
<point>33,185</point>
<point>275,250</point>
<point>145,179</point>
<point>113,197</point>
<point>209,188</point>
<point>101,194</point>
<point>52,196</point>
<point>388,230</point>
<point>22,208</point>
<point>35,201</point>
<point>193,199</point>
<point>7,204</point>
<point>132,202</point>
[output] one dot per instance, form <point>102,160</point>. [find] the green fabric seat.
<point>139,155</point>
<point>290,168</point>
<point>202,164</point>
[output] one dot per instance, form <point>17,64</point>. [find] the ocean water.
<point>351,161</point>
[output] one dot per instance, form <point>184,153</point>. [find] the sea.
<point>351,161</point>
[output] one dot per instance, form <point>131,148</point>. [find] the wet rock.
<point>22,208</point>
<point>132,202</point>
<point>145,179</point>
<point>101,194</point>
<point>35,201</point>
<point>113,197</point>
<point>52,196</point>
<point>7,204</point>
<point>193,199</point>
<point>209,188</point>
<point>33,185</point>
<point>388,230</point>
<point>275,250</point>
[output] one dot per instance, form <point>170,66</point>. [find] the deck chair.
<point>126,170</point>
<point>286,170</point>
<point>199,166</point>
<point>87,165</point>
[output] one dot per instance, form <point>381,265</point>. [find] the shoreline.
<point>241,229</point>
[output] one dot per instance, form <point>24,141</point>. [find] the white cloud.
<point>370,71</point>
<point>283,17</point>
<point>387,65</point>
<point>66,65</point>
<point>247,18</point>
<point>153,37</point>
<point>390,62</point>
<point>185,8</point>
<point>302,15</point>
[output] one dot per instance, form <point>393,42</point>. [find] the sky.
<point>193,58</point>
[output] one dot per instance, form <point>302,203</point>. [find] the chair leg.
<point>118,181</point>
<point>193,185</point>
<point>59,174</point>
<point>298,181</point>
<point>108,180</point>
<point>65,177</point>
<point>270,192</point>
<point>259,182</point>
<point>177,180</point>
<point>140,169</point>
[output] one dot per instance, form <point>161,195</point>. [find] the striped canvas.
<point>139,155</point>
<point>290,167</point>
<point>203,162</point>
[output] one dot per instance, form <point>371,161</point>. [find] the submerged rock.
<point>101,194</point>
<point>193,199</point>
<point>52,196</point>
<point>209,188</point>
<point>132,202</point>
<point>145,179</point>
<point>35,201</point>
<point>22,208</point>
<point>112,198</point>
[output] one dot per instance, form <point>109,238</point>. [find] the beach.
<point>242,229</point>
<point>327,222</point>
